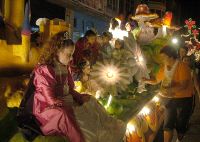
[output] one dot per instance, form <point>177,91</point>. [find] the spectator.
<point>176,92</point>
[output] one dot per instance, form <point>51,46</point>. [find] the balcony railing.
<point>157,5</point>
<point>96,5</point>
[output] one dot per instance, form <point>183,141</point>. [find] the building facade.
<point>157,6</point>
<point>88,14</point>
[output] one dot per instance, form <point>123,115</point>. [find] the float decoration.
<point>193,41</point>
<point>111,76</point>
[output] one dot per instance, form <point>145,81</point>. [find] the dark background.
<point>184,9</point>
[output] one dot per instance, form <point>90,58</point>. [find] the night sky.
<point>184,9</point>
<point>43,9</point>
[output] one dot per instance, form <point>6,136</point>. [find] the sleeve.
<point>160,74</point>
<point>45,83</point>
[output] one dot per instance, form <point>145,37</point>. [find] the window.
<point>112,4</point>
<point>130,6</point>
<point>75,22</point>
<point>109,4</point>
<point>83,25</point>
<point>89,25</point>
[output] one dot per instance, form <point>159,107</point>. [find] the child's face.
<point>117,45</point>
<point>128,27</point>
<point>65,55</point>
<point>92,39</point>
<point>87,69</point>
<point>105,39</point>
<point>99,40</point>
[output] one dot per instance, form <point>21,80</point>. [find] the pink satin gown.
<point>54,120</point>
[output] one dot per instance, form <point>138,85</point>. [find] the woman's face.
<point>92,39</point>
<point>182,53</point>
<point>65,55</point>
<point>105,39</point>
<point>117,44</point>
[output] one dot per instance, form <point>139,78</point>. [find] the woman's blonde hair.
<point>58,41</point>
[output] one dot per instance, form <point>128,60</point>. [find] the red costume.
<point>85,50</point>
<point>55,109</point>
<point>55,120</point>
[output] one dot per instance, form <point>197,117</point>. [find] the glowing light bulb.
<point>174,40</point>
<point>145,111</point>
<point>98,94</point>
<point>130,128</point>
<point>110,74</point>
<point>109,101</point>
<point>164,29</point>
<point>156,99</point>
<point>140,59</point>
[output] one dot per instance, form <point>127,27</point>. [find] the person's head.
<point>119,44</point>
<point>128,27</point>
<point>60,47</point>
<point>131,25</point>
<point>169,55</point>
<point>183,51</point>
<point>91,36</point>
<point>85,67</point>
<point>113,23</point>
<point>106,37</point>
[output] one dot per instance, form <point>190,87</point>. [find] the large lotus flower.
<point>111,75</point>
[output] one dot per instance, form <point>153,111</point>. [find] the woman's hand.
<point>85,97</point>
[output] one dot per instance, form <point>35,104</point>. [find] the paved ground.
<point>193,134</point>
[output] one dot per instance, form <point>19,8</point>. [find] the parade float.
<point>121,89</point>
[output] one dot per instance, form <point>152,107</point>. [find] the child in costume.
<point>63,111</point>
<point>106,49</point>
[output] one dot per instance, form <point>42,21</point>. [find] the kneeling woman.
<point>63,111</point>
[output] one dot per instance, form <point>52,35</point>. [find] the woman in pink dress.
<point>61,110</point>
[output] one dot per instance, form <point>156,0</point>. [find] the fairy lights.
<point>156,99</point>
<point>174,40</point>
<point>130,128</point>
<point>109,101</point>
<point>145,111</point>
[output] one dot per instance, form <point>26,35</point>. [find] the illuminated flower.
<point>190,23</point>
<point>195,32</point>
<point>111,74</point>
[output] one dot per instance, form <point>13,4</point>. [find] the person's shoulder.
<point>81,40</point>
<point>182,63</point>
<point>183,66</point>
<point>44,69</point>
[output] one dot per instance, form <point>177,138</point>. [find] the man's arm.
<point>159,77</point>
